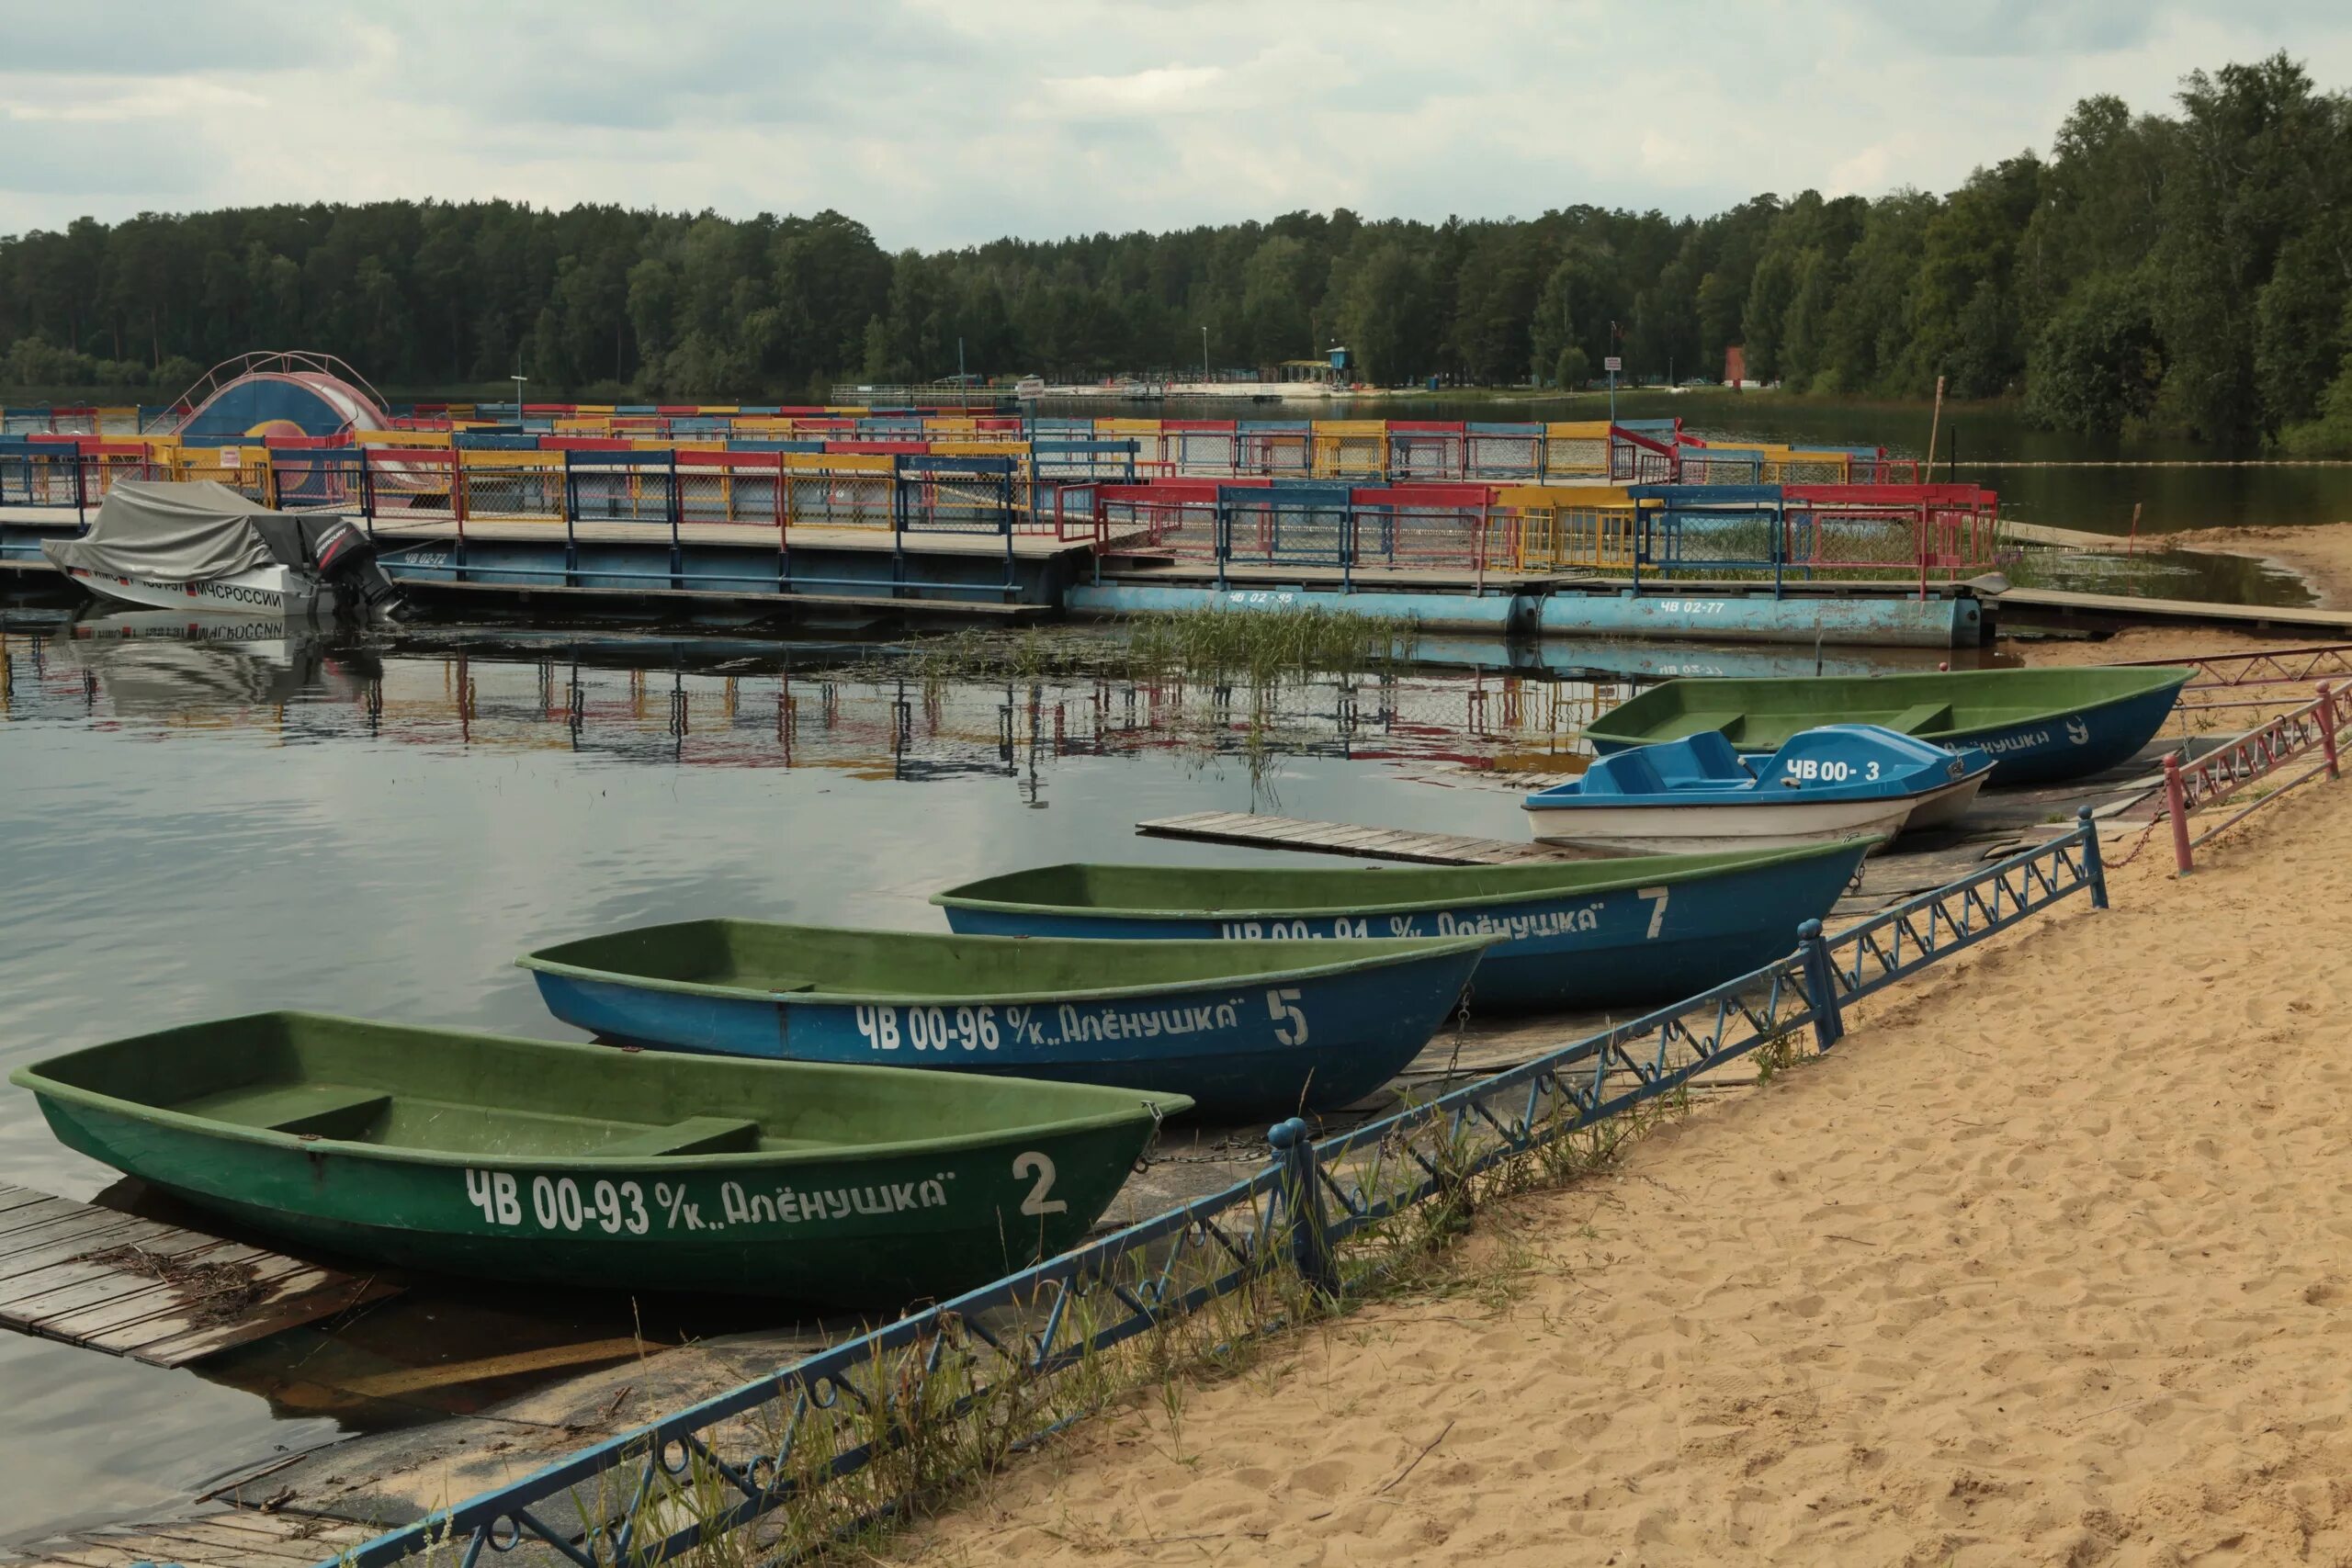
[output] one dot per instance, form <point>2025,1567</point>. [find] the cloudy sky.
<point>944,122</point>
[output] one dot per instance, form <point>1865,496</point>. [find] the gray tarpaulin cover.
<point>173,533</point>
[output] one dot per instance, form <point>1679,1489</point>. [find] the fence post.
<point>677,523</point>
<point>1310,1242</point>
<point>2327,728</point>
<point>2093,868</point>
<point>2179,812</point>
<point>1820,986</point>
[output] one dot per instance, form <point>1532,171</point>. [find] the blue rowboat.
<point>1247,1031</point>
<point>1831,782</point>
<point>2038,726</point>
<point>1571,934</point>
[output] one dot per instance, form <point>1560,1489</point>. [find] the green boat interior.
<point>1316,890</point>
<point>445,1092</point>
<point>1761,714</point>
<point>751,955</point>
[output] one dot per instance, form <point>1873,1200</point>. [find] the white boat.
<point>1679,829</point>
<point>272,592</point>
<point>1697,795</point>
<point>202,547</point>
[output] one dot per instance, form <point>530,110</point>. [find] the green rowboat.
<point>2038,726</point>
<point>537,1161</point>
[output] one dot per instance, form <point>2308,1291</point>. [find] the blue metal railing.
<point>831,1418</point>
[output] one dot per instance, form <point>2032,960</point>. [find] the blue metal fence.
<point>841,1417</point>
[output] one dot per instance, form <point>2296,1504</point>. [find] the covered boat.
<point>200,545</point>
<point>533,1160</point>
<point>1696,794</point>
<point>2038,726</point>
<point>1570,934</point>
<point>1246,1030</point>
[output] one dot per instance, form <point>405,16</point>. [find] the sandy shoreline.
<point>2042,1266</point>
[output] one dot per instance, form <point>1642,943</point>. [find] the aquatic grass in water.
<point>1260,648</point>
<point>1266,647</point>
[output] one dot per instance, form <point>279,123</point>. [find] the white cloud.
<point>955,121</point>
<point>1161,89</point>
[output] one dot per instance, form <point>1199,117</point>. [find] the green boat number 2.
<point>562,1205</point>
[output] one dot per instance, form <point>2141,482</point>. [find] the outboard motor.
<point>345,560</point>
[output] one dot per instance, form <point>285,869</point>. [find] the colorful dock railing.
<point>1261,495</point>
<point>996,1364</point>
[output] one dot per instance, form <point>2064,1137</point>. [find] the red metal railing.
<point>2257,754</point>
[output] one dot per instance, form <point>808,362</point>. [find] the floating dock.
<point>158,1293</point>
<point>1840,614</point>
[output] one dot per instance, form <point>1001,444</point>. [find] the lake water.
<point>2098,500</point>
<point>202,827</point>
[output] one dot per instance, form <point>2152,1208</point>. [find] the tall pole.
<point>1935,422</point>
<point>517,379</point>
<point>959,360</point>
<point>1205,353</point>
<point>1611,362</point>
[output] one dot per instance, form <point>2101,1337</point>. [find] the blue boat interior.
<point>1701,762</point>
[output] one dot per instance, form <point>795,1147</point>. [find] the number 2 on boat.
<point>1042,1166</point>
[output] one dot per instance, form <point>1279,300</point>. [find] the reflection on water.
<point>844,707</point>
<point>202,824</point>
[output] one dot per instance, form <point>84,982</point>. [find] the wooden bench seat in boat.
<point>1922,716</point>
<point>321,1110</point>
<point>695,1136</point>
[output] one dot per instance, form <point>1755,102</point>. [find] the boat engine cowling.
<point>347,562</point>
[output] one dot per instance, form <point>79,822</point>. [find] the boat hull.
<point>1238,1048</point>
<point>2045,725</point>
<point>1616,946</point>
<point>541,1162</point>
<point>2072,745</point>
<point>1691,830</point>
<point>1941,807</point>
<point>267,592</point>
<point>704,1232</point>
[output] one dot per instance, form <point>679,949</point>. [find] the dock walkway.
<point>154,1292</point>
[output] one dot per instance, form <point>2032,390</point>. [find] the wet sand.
<point>2042,1265</point>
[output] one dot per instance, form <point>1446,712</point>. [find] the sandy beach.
<point>2042,1265</point>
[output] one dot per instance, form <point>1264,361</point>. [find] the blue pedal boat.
<point>1695,794</point>
<point>1253,1030</point>
<point>1570,934</point>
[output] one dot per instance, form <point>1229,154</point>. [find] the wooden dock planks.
<point>1340,839</point>
<point>155,1292</point>
<point>245,1538</point>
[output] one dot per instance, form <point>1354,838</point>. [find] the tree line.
<point>2189,270</point>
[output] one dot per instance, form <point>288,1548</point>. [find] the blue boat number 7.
<point>1290,1024</point>
<point>1657,898</point>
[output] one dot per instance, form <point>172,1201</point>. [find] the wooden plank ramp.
<point>2044,605</point>
<point>241,1537</point>
<point>155,1292</point>
<point>1340,839</point>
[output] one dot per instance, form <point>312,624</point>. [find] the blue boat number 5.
<point>1290,1024</point>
